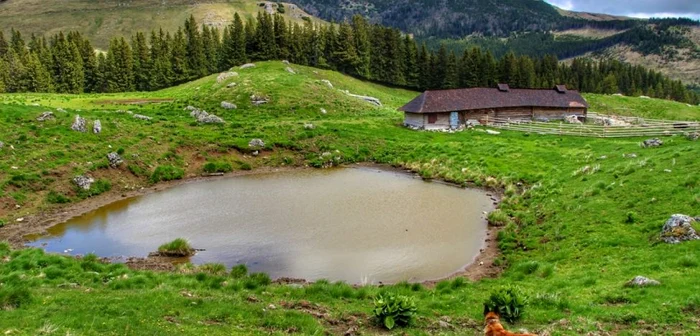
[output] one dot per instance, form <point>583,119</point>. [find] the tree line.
<point>67,62</point>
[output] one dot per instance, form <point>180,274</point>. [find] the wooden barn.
<point>451,109</point>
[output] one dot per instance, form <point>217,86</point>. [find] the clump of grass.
<point>217,167</point>
<point>547,300</point>
<point>56,198</point>
<point>498,218</point>
<point>97,188</point>
<point>213,268</point>
<point>688,261</point>
<point>529,267</point>
<point>177,248</point>
<point>166,173</point>
<point>631,217</point>
<point>14,296</point>
<point>246,166</point>
<point>239,271</point>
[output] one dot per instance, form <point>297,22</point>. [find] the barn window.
<point>432,118</point>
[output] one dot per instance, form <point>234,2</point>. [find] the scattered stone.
<point>97,127</point>
<point>21,219</point>
<point>679,228</point>
<point>60,110</point>
<point>2,144</point>
<point>667,170</point>
<point>572,119</point>
<point>444,325</point>
<point>611,121</point>
<point>228,106</point>
<point>617,94</point>
<point>327,82</point>
<point>79,125</point>
<point>309,126</point>
<point>231,85</point>
<point>630,155</point>
<point>285,62</point>
<point>693,136</point>
<point>323,111</point>
<point>206,118</point>
<point>142,117</point>
<point>542,119</point>
<point>225,75</point>
<point>656,142</point>
<point>256,143</point>
<point>259,100</point>
<point>191,108</point>
<point>640,281</point>
<point>83,182</point>
<point>493,132</point>
<point>368,99</point>
<point>256,153</point>
<point>603,157</point>
<point>114,160</point>
<point>48,115</point>
<point>247,65</point>
<point>644,97</point>
<point>290,70</point>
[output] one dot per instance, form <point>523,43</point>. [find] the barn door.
<point>454,120</point>
<point>432,118</point>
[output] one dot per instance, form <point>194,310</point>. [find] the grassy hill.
<point>101,20</point>
<point>571,236</point>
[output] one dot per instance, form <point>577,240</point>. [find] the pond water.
<point>359,225</point>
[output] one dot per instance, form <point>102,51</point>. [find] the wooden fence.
<point>637,127</point>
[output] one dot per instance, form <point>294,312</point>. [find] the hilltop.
<point>578,218</point>
<point>101,21</point>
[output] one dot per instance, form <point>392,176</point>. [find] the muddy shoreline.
<point>37,224</point>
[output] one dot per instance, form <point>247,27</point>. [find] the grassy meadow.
<point>580,218</point>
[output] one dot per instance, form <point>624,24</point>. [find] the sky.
<point>634,8</point>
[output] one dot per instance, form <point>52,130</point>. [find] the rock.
<point>247,65</point>
<point>679,228</point>
<point>327,82</point>
<point>644,97</point>
<point>60,110</point>
<point>444,324</point>
<point>290,70</point>
<point>203,117</point>
<point>259,100</point>
<point>611,121</point>
<point>640,281</point>
<point>493,132</point>
<point>309,126</point>
<point>142,117</point>
<point>48,115</point>
<point>285,62</point>
<point>2,144</point>
<point>230,85</point>
<point>79,125</point>
<point>21,219</point>
<point>368,99</point>
<point>572,119</point>
<point>617,94</point>
<point>656,142</point>
<point>114,160</point>
<point>693,136</point>
<point>191,108</point>
<point>256,143</point>
<point>225,75</point>
<point>323,111</point>
<point>97,127</point>
<point>630,155</point>
<point>228,106</point>
<point>83,182</point>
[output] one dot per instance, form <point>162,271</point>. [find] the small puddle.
<point>359,225</point>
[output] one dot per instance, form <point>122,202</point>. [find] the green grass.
<point>570,240</point>
<point>178,248</point>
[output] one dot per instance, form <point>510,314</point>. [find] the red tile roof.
<point>433,101</point>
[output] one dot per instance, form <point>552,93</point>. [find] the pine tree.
<point>411,62</point>
<point>4,46</point>
<point>142,66</point>
<point>120,66</point>
<point>37,77</point>
<point>451,79</point>
<point>195,58</point>
<point>360,32</point>
<point>424,61</point>
<point>211,44</point>
<point>178,58</point>
<point>344,54</point>
<point>67,66</point>
<point>281,37</point>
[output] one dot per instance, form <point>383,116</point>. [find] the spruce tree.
<point>360,32</point>
<point>195,58</point>
<point>67,66</point>
<point>37,77</point>
<point>451,79</point>
<point>142,66</point>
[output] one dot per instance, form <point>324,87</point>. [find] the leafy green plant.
<point>509,302</point>
<point>177,248</point>
<point>394,310</point>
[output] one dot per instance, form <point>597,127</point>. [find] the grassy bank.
<point>581,218</point>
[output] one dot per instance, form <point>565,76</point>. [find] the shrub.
<point>256,280</point>
<point>394,310</point>
<point>166,173</point>
<point>56,198</point>
<point>176,248</point>
<point>246,166</point>
<point>213,268</point>
<point>508,302</point>
<point>631,217</point>
<point>97,188</point>
<point>239,271</point>
<point>120,151</point>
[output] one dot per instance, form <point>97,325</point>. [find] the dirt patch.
<point>140,101</point>
<point>343,325</point>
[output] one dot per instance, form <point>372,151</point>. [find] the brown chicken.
<point>494,327</point>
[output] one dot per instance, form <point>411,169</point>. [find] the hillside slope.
<point>579,219</point>
<point>101,20</point>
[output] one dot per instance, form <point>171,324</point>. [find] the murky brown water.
<point>355,225</point>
